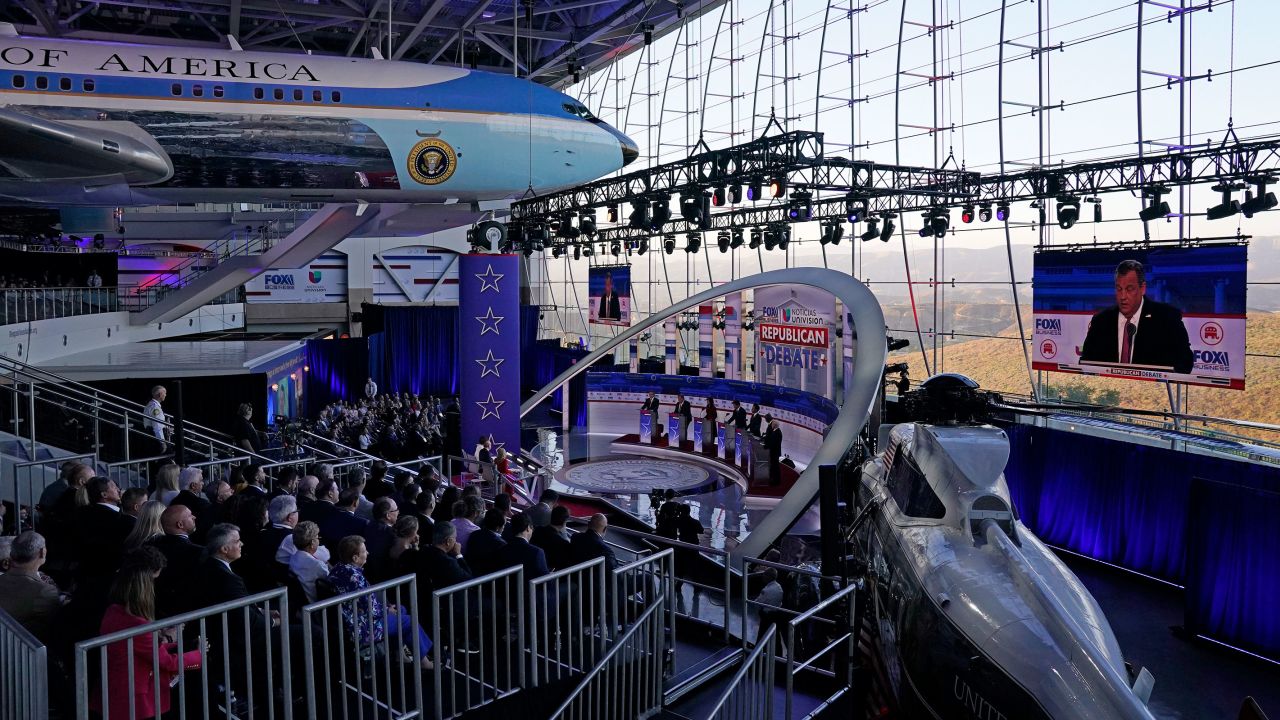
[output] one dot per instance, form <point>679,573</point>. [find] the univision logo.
<point>313,276</point>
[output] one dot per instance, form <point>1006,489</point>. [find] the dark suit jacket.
<point>438,571</point>
<point>610,307</point>
<point>740,418</point>
<point>588,546</point>
<point>1161,338</point>
<point>99,534</point>
<point>685,410</point>
<point>198,504</point>
<point>519,552</point>
<point>274,536</point>
<point>773,441</point>
<point>481,547</point>
<point>554,545</point>
<point>650,404</point>
<point>377,540</point>
<point>177,582</point>
<point>339,524</point>
<point>753,425</point>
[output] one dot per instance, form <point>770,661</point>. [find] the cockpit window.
<point>911,490</point>
<point>579,110</point>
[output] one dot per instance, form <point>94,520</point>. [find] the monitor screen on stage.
<point>1146,313</point>
<point>609,288</point>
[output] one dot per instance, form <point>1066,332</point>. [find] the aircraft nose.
<point>630,151</point>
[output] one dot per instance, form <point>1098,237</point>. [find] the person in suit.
<point>307,488</point>
<point>485,542</point>
<point>540,514</point>
<point>379,538</point>
<point>441,565</point>
<point>343,520</point>
<point>590,545</point>
<point>24,595</point>
<point>554,539</point>
<point>518,551</point>
<point>1138,330</point>
<point>685,410</point>
<point>483,449</point>
<point>753,422</point>
<point>100,531</point>
<point>739,416</point>
<point>650,403</point>
<point>773,441</point>
<point>283,513</point>
<point>610,305</point>
<point>182,560</point>
<point>191,491</point>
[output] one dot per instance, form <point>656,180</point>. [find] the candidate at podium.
<point>773,442</point>
<point>650,404</point>
<point>753,422</point>
<point>709,412</point>
<point>738,418</point>
<point>610,306</point>
<point>685,411</point>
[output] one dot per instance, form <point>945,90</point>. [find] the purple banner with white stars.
<point>489,316</point>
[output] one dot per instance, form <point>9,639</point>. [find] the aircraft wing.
<point>86,152</point>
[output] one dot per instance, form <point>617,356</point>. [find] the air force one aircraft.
<point>99,123</point>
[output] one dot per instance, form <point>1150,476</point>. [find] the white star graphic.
<point>490,407</point>
<point>496,444</point>
<point>489,322</point>
<point>486,283</point>
<point>489,365</point>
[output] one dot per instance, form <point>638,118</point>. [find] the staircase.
<point>200,285</point>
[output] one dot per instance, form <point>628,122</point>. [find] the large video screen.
<point>609,288</point>
<point>1154,313</point>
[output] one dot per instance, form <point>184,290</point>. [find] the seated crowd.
<point>101,559</point>
<point>398,426</point>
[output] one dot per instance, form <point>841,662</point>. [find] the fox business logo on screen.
<point>1048,326</point>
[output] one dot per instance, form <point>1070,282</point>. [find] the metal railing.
<point>567,621</point>
<point>768,611</point>
<point>749,695</point>
<point>721,559</point>
<point>34,477</point>
<point>366,669</point>
<point>219,469</point>
<point>637,584</point>
<point>24,672</point>
<point>627,683</point>
<point>480,641</point>
<point>842,647</point>
<point>236,637</point>
<point>471,471</point>
<point>135,473</point>
<point>20,305</point>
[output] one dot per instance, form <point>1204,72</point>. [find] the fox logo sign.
<point>278,282</point>
<point>1048,326</point>
<point>1214,359</point>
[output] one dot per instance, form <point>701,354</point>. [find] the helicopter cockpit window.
<point>911,490</point>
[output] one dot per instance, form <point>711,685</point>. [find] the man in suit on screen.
<point>610,306</point>
<point>1137,330</point>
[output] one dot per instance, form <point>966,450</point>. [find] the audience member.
<point>441,565</point>
<point>304,564</point>
<point>444,508</point>
<point>342,521</point>
<point>24,595</point>
<point>482,546</point>
<point>324,507</point>
<point>174,594</point>
<point>366,618</point>
<point>283,513</point>
<point>403,555</point>
<point>518,551</point>
<point>147,527</point>
<point>379,537</point>
<point>307,487</point>
<point>466,512</point>
<point>554,539</point>
<point>540,514</point>
<point>255,479</point>
<point>131,501</point>
<point>191,491</point>
<point>167,484</point>
<point>590,545</point>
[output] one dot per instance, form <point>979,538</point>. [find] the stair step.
<point>698,674</point>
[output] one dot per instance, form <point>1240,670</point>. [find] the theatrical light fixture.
<point>756,235</point>
<point>1002,211</point>
<point>984,212</point>
<point>615,249</point>
<point>753,188</point>
<point>588,249</point>
<point>577,253</point>
<point>1261,202</point>
<point>855,210</point>
<point>784,237</point>
<point>643,246</point>
<point>694,242</point>
<point>565,228</point>
<point>735,194</point>
<point>669,244</point>
<point>736,242</point>
<point>872,231</point>
<point>831,233</point>
<point>778,186</point>
<point>889,227</point>
<point>1157,209</point>
<point>557,251</point>
<point>718,197</point>
<point>639,217</point>
<point>939,221</point>
<point>1068,211</point>
<point>722,240</point>
<point>966,214</point>
<point>770,238</point>
<point>801,206</point>
<point>661,213</point>
<point>612,211</point>
<point>691,207</point>
<point>587,222</point>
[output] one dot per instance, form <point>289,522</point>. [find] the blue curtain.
<point>1207,523</point>
<point>339,368</point>
<point>417,351</point>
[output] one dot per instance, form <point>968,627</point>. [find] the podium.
<point>646,427</point>
<point>722,447</point>
<point>675,430</point>
<point>698,425</point>
<point>739,446</point>
<point>758,466</point>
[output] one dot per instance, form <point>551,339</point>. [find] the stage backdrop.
<point>609,290</point>
<point>489,348</point>
<point>1207,284</point>
<point>794,334</point>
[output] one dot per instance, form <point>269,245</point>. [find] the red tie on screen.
<point>1127,348</point>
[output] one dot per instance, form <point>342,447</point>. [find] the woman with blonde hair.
<point>167,484</point>
<point>147,525</point>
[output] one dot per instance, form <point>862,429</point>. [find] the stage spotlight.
<point>966,215</point>
<point>648,33</point>
<point>639,217</point>
<point>872,231</point>
<point>669,244</point>
<point>660,213</point>
<point>784,238</point>
<point>940,221</point>
<point>1002,212</point>
<point>831,233</point>
<point>753,188</point>
<point>1261,203</point>
<point>735,194</point>
<point>615,248</point>
<point>566,230</point>
<point>612,213</point>
<point>643,246</point>
<point>691,206</point>
<point>984,212</point>
<point>1156,210</point>
<point>588,249</point>
<point>924,231</point>
<point>577,252</point>
<point>722,240</point>
<point>778,186</point>
<point>801,206</point>
<point>770,239</point>
<point>694,242</point>
<point>587,222</point>
<point>756,236</point>
<point>889,227</point>
<point>736,242</point>
<point>1068,211</point>
<point>557,251</point>
<point>855,210</point>
<point>717,197</point>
